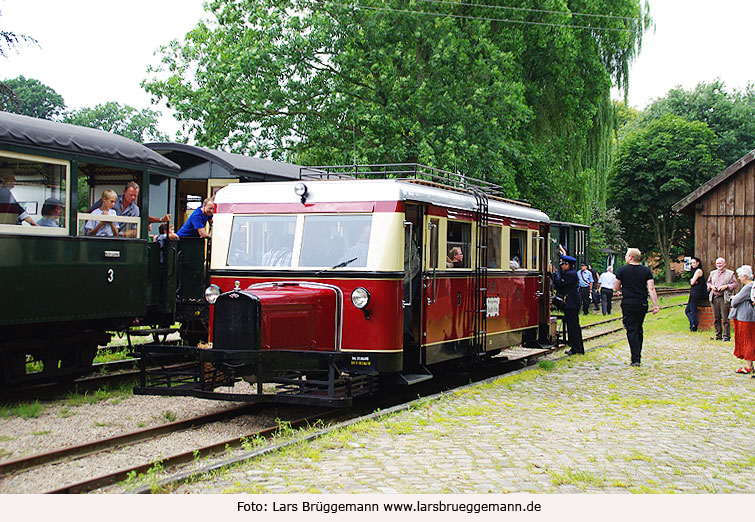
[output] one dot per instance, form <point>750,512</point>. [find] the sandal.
<point>744,370</point>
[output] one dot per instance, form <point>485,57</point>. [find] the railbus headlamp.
<point>300,189</point>
<point>212,293</point>
<point>360,297</point>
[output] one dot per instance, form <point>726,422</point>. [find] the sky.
<point>95,51</point>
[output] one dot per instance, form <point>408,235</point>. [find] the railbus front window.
<point>266,241</point>
<point>332,240</point>
<point>33,195</point>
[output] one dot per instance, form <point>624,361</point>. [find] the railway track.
<point>503,365</point>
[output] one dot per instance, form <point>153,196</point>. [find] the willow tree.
<point>515,97</point>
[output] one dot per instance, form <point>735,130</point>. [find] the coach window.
<point>266,241</point>
<point>458,236</point>
<point>518,249</point>
<point>494,247</point>
<point>33,195</point>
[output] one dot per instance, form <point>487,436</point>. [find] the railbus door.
<point>412,301</point>
<point>543,291</point>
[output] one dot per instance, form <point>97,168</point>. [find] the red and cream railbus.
<point>322,285</point>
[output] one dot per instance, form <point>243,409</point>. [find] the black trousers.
<point>633,317</point>
<point>584,294</point>
<point>606,296</point>
<point>573,330</point>
<point>691,312</point>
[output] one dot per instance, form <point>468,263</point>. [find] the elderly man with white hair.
<point>743,314</point>
<point>721,284</point>
<point>606,282</point>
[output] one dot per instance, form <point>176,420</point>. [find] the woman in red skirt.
<point>743,314</point>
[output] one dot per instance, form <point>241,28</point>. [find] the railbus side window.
<point>33,195</point>
<point>494,247</point>
<point>534,249</point>
<point>517,249</point>
<point>458,238</point>
<point>434,246</point>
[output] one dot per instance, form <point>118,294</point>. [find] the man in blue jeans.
<point>635,282</point>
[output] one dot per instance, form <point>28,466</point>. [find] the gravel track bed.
<point>62,425</point>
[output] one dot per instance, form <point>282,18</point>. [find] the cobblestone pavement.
<point>680,423</point>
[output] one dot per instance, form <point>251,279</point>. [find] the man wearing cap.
<point>566,283</point>
<point>51,212</point>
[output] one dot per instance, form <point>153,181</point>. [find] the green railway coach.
<point>66,289</point>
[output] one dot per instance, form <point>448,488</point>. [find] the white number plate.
<point>494,306</point>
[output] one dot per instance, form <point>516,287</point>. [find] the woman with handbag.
<point>743,314</point>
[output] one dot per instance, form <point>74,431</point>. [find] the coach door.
<point>412,301</point>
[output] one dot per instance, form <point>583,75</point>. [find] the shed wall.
<point>725,226</point>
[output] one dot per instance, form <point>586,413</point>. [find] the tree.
<point>730,115</point>
<point>655,167</point>
<point>32,98</point>
<point>140,126</point>
<point>451,85</point>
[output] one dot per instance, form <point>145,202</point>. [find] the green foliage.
<point>520,104</point>
<point>606,232</point>
<point>140,126</point>
<point>731,116</point>
<point>31,97</point>
<point>656,166</point>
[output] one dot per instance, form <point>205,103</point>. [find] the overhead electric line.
<point>466,17</point>
<point>531,10</point>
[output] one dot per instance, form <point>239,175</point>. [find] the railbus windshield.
<point>325,241</point>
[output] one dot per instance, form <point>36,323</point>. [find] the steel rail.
<point>184,457</point>
<point>98,446</point>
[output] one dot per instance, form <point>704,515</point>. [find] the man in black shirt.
<point>635,282</point>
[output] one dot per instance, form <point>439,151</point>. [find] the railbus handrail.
<point>404,171</point>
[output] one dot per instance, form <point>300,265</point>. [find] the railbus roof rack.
<point>415,172</point>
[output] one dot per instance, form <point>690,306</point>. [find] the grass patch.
<point>572,477</point>
<point>112,353</point>
<point>64,413</point>
<point>40,433</point>
<point>169,415</point>
<point>25,410</point>
<point>5,438</point>
<point>546,365</point>
<point>119,392</point>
